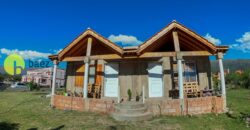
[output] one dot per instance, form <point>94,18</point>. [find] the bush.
<point>33,86</point>
<point>129,94</point>
<point>245,79</point>
<point>239,80</point>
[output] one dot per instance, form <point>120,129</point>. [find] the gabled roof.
<point>174,26</point>
<point>90,33</point>
<point>197,42</point>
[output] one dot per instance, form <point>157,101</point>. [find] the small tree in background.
<point>245,79</point>
<point>33,86</point>
<point>1,78</point>
<point>239,80</point>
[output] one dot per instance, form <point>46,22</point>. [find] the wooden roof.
<point>84,36</point>
<point>182,30</point>
<point>160,42</point>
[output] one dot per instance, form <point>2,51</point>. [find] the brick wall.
<point>68,103</point>
<point>193,106</point>
<point>157,106</point>
<point>80,104</point>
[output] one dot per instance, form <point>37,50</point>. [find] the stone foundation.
<point>157,106</point>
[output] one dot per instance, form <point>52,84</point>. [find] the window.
<point>92,74</point>
<point>44,81</point>
<point>190,72</point>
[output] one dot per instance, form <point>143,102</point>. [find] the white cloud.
<point>244,43</point>
<point>245,38</point>
<point>57,51</point>
<point>125,40</point>
<point>212,39</point>
<point>26,54</point>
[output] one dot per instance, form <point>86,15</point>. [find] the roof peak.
<point>174,21</point>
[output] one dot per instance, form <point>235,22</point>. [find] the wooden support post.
<point>222,80</point>
<point>55,62</point>
<point>119,94</point>
<point>143,94</point>
<point>180,70</point>
<point>86,71</point>
<point>180,81</point>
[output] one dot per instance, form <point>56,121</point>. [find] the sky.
<point>37,28</point>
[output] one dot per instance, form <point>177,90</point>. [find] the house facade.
<point>43,77</point>
<point>157,71</point>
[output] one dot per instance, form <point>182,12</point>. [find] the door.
<point>155,84</point>
<point>111,80</point>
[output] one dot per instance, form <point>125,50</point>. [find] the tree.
<point>239,80</point>
<point>1,78</point>
<point>245,79</point>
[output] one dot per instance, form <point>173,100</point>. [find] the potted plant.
<point>129,95</point>
<point>137,98</point>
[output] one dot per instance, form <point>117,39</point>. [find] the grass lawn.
<point>28,110</point>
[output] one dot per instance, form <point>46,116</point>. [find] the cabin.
<point>169,73</point>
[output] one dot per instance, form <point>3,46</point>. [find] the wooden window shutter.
<point>79,77</point>
<point>99,75</point>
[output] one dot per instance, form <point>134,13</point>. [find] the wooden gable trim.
<point>92,33</point>
<point>167,29</point>
<point>222,49</point>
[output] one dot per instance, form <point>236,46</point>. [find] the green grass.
<point>26,110</point>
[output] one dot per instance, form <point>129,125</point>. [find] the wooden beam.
<point>93,57</point>
<point>172,54</point>
<point>192,41</point>
<point>144,55</point>
<point>196,36</point>
<point>196,53</point>
<point>89,45</point>
<point>157,54</point>
<point>176,41</point>
<point>189,45</point>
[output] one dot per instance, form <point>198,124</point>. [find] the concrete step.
<point>132,117</point>
<point>130,105</point>
<point>122,110</point>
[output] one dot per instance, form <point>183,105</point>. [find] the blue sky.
<point>41,27</point>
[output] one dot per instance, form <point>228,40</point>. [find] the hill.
<point>232,65</point>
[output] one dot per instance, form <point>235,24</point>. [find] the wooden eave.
<point>222,49</point>
<point>90,33</point>
<point>53,57</point>
<point>176,26</point>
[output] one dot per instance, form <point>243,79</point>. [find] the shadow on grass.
<point>58,128</point>
<point>15,106</point>
<point>8,126</point>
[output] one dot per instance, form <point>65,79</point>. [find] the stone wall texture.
<point>159,106</point>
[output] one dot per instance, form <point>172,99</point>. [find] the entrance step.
<point>131,111</point>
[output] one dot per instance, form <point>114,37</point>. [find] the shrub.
<point>239,80</point>
<point>129,94</point>
<point>33,86</point>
